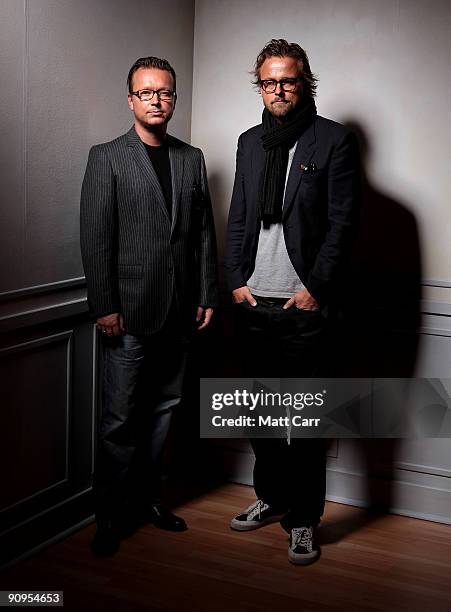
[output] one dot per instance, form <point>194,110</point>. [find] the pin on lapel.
<point>311,167</point>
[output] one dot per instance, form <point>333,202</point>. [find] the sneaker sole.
<point>245,526</point>
<point>306,559</point>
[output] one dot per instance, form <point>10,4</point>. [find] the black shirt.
<point>159,157</point>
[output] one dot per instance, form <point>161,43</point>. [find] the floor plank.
<point>386,563</point>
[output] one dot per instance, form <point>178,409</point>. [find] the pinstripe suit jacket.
<point>135,258</point>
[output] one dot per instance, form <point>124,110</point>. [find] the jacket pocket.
<point>313,177</point>
<point>129,271</point>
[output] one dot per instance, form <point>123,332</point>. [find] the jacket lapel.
<point>176,160</point>
<point>257,167</point>
<point>303,154</point>
<point>143,161</point>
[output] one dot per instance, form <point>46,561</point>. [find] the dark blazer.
<point>319,208</point>
<point>135,258</point>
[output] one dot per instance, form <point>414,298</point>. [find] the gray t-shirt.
<point>274,275</point>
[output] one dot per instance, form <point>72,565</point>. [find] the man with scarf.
<point>290,227</point>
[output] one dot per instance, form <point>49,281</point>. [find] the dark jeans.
<point>143,380</point>
<point>277,343</point>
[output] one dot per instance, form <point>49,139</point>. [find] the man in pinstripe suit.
<point>149,254</point>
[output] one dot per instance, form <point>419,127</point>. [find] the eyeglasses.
<point>288,85</point>
<point>146,95</point>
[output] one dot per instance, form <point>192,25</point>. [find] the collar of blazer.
<point>176,160</point>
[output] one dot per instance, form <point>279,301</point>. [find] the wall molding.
<point>430,470</point>
<point>436,283</point>
<point>435,307</point>
<point>69,283</point>
<point>435,331</point>
<point>24,347</point>
<point>347,486</point>
<point>35,308</point>
<point>37,342</point>
<point>62,497</point>
<point>70,515</point>
<point>54,540</point>
<point>416,500</point>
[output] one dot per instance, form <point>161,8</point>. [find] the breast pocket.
<point>312,184</point>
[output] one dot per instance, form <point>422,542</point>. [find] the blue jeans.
<point>142,384</point>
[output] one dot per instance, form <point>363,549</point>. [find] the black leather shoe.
<point>106,540</point>
<point>163,518</point>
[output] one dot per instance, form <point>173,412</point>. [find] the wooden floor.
<point>386,563</point>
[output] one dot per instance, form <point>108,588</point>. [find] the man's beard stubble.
<point>286,110</point>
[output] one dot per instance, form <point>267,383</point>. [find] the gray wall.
<point>383,67</point>
<point>64,64</point>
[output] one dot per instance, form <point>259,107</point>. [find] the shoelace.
<point>302,536</point>
<point>256,508</point>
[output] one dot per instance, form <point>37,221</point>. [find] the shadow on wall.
<point>379,331</point>
<point>382,298</point>
<point>218,189</point>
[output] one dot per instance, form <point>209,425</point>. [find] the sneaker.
<point>303,549</point>
<point>257,515</point>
